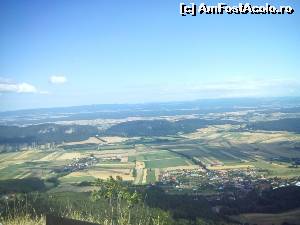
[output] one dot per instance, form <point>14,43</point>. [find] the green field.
<point>165,163</point>
<point>76,179</point>
<point>161,159</point>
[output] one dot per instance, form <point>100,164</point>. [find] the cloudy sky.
<point>62,53</point>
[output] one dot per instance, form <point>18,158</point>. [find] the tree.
<point>116,192</point>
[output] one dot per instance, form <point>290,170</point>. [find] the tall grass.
<point>18,211</point>
<point>31,210</point>
<point>24,219</point>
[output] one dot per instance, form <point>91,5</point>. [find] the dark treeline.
<point>55,133</point>
<point>45,133</point>
<point>24,185</point>
<point>161,127</point>
<point>181,206</point>
<point>288,124</point>
<point>269,201</point>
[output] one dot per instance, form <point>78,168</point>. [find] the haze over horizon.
<point>67,53</point>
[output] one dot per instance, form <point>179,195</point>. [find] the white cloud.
<point>58,79</point>
<point>17,88</point>
<point>26,88</point>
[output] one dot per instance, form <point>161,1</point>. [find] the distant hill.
<point>49,132</point>
<point>45,133</point>
<point>117,111</point>
<point>288,124</point>
<point>161,127</point>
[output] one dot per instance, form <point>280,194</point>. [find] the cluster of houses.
<point>78,164</point>
<point>236,181</point>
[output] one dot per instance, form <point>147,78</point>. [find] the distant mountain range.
<point>118,111</point>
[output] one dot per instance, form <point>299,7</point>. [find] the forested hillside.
<point>288,124</point>
<point>45,133</point>
<point>161,127</point>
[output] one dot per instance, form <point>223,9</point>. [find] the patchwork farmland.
<point>215,148</point>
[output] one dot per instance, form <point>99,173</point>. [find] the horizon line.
<point>147,103</point>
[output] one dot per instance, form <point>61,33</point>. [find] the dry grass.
<point>61,155</point>
<point>190,167</point>
<point>124,159</point>
<point>23,220</point>
<point>242,166</point>
<point>114,139</point>
<point>23,155</point>
<point>140,165</point>
<point>90,140</point>
<point>103,174</point>
<point>70,155</point>
<point>16,157</point>
<point>157,173</point>
<point>129,165</point>
<point>139,176</point>
<point>145,173</point>
<point>50,156</point>
<point>122,216</point>
<point>115,152</point>
<point>210,134</point>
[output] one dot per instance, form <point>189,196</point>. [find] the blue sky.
<point>75,52</point>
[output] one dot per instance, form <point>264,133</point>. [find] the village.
<point>78,164</point>
<point>215,184</point>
